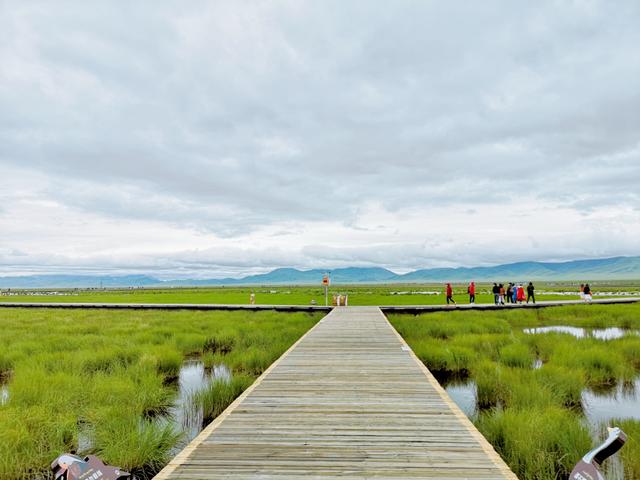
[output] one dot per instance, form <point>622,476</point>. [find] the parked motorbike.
<point>73,467</point>
<point>588,467</point>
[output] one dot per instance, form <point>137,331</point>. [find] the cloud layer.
<point>216,138</point>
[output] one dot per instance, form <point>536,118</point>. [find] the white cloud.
<point>228,137</point>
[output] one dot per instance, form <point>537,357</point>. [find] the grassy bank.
<point>101,381</point>
<point>529,386</point>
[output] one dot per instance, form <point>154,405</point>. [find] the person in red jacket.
<point>472,292</point>
<point>520,294</point>
<point>450,294</point>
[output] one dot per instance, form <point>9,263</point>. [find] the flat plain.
<point>359,295</point>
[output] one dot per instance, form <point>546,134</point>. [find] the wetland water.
<point>185,415</point>
<point>610,333</point>
<point>620,401</point>
<point>4,394</point>
<point>600,407</point>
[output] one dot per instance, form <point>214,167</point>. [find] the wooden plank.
<point>349,399</point>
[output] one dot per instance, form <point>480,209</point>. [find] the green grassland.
<point>100,381</point>
<point>533,416</point>
<point>303,295</point>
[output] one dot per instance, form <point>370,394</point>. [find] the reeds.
<point>139,446</point>
<point>219,394</point>
<point>537,443</point>
<point>516,355</point>
<point>101,380</point>
<point>532,416</point>
<point>630,453</point>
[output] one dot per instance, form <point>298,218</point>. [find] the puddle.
<point>4,394</point>
<point>537,364</point>
<point>600,407</point>
<point>186,417</point>
<point>85,438</point>
<point>611,333</point>
<point>622,401</point>
<point>464,393</point>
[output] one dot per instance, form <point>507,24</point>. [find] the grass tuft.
<point>631,451</point>
<point>537,443</point>
<point>516,355</point>
<point>220,394</point>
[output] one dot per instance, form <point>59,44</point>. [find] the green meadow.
<point>407,294</point>
<point>529,387</point>
<point>103,382</point>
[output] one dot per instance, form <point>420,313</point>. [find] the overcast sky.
<point>215,138</point>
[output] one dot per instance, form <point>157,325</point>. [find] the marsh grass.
<point>104,380</point>
<point>533,417</point>
<point>602,362</point>
<point>630,453</point>
<point>392,294</point>
<point>31,438</point>
<point>139,446</point>
<point>537,443</point>
<point>219,394</point>
<point>6,365</point>
<point>221,344</point>
<point>516,355</point>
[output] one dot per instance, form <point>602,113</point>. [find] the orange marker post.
<point>325,282</point>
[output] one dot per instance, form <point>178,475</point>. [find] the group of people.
<point>512,293</point>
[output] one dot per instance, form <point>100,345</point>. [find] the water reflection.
<point>187,417</point>
<point>620,402</point>
<point>611,333</point>
<point>465,394</point>
<point>600,406</point>
<point>4,394</point>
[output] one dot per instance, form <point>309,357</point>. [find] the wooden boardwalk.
<point>310,308</point>
<point>349,399</point>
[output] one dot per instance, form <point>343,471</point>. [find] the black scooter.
<point>73,467</point>
<point>587,468</point>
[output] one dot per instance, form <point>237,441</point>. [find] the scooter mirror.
<point>587,467</point>
<point>73,467</point>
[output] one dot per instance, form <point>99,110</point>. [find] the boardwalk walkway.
<point>309,308</point>
<point>349,399</point>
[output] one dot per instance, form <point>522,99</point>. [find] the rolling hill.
<point>617,268</point>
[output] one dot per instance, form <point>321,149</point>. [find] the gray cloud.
<point>229,122</point>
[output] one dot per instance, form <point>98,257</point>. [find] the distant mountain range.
<point>618,268</point>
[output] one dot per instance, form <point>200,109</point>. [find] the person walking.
<point>472,293</point>
<point>496,293</point>
<point>520,294</point>
<point>530,293</point>
<point>582,291</point>
<point>450,294</point>
<point>514,294</point>
<point>510,293</point>
<point>501,293</point>
<point>587,293</point>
